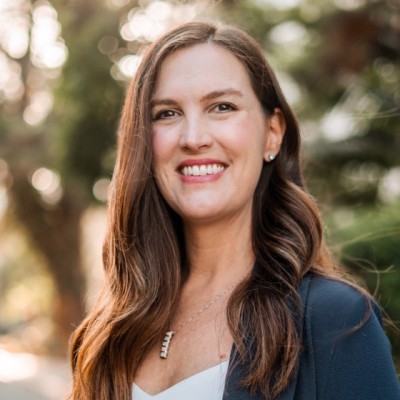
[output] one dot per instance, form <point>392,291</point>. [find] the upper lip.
<point>203,161</point>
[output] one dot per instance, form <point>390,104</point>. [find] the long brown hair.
<point>144,254</point>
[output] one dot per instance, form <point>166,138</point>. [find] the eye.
<point>224,107</point>
<point>164,114</point>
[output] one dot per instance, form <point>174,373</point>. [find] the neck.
<point>219,252</point>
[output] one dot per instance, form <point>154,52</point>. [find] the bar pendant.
<point>165,344</point>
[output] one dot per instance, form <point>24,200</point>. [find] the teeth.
<point>201,170</point>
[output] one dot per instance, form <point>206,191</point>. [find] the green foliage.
<point>370,248</point>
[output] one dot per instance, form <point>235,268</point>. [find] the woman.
<point>218,284</point>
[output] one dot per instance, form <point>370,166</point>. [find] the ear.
<point>276,127</point>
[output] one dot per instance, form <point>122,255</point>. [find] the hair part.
<point>144,254</point>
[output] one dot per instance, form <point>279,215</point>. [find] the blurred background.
<point>64,67</point>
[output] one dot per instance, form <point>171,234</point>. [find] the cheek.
<point>163,147</point>
<point>248,135</point>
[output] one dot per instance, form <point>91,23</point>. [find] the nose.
<point>195,134</point>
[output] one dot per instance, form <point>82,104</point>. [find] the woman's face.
<point>210,134</point>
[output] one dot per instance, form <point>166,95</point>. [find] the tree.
<point>54,163</point>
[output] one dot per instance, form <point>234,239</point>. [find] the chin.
<point>202,216</point>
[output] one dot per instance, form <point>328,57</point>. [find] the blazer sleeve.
<point>352,355</point>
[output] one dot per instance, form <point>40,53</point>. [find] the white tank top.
<point>208,384</point>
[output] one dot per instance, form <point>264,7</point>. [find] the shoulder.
<point>332,304</point>
<point>345,348</point>
<point>329,291</point>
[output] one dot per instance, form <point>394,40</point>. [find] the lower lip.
<point>201,178</point>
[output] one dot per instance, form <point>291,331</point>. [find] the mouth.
<point>202,169</point>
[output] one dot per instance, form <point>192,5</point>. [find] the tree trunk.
<point>54,232</point>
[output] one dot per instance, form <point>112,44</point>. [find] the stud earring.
<point>271,157</point>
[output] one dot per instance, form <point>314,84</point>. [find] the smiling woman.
<point>218,283</point>
<point>210,135</point>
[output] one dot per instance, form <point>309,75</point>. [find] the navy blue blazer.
<point>334,366</point>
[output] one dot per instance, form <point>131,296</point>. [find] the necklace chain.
<point>208,305</point>
<point>168,335</point>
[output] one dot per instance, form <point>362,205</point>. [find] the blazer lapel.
<point>233,392</point>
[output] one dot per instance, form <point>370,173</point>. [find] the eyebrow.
<point>209,96</point>
<point>219,93</point>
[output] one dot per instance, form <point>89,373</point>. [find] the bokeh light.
<point>128,65</point>
<point>389,187</point>
<point>47,47</point>
<point>40,105</point>
<point>11,86</point>
<point>143,25</point>
<point>278,4</point>
<point>100,189</point>
<point>14,367</point>
<point>48,184</point>
<point>289,32</point>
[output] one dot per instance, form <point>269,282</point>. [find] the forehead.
<point>203,67</point>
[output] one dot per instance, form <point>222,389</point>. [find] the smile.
<point>201,170</point>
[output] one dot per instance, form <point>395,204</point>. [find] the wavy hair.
<point>144,254</point>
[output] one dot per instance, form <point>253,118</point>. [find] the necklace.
<point>169,334</point>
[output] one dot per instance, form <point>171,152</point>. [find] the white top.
<point>207,384</point>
